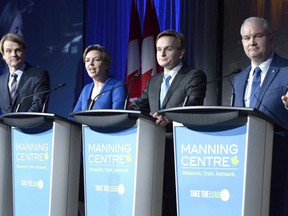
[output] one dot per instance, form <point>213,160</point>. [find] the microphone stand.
<point>37,93</point>
<point>137,75</point>
<point>211,81</point>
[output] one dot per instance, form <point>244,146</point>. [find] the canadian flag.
<point>148,55</point>
<point>133,56</point>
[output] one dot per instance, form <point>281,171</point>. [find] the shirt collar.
<point>174,71</point>
<point>19,71</point>
<point>264,66</point>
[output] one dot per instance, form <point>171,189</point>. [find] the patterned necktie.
<point>13,86</point>
<point>165,88</point>
<point>255,87</point>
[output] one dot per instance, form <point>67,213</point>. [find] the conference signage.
<point>109,169</point>
<point>210,167</point>
<point>32,155</point>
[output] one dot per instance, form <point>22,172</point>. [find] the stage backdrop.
<point>108,23</point>
<point>55,32</point>
<point>235,12</point>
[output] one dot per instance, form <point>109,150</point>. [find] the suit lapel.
<point>271,74</point>
<point>242,85</point>
<point>5,87</point>
<point>157,89</point>
<point>23,78</point>
<point>177,79</point>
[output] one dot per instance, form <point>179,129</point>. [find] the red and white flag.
<point>133,56</point>
<point>148,55</point>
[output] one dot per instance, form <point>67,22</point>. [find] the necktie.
<point>255,87</point>
<point>165,88</point>
<point>13,86</point>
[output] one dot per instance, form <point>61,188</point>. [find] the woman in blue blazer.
<point>104,92</point>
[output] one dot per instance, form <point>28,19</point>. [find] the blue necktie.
<point>165,88</point>
<point>255,87</point>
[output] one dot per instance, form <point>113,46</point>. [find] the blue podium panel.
<point>109,169</point>
<point>223,158</point>
<point>6,200</point>
<point>223,169</point>
<point>32,174</point>
<point>123,152</point>
<point>210,167</point>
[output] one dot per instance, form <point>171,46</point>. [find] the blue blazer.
<point>273,87</point>
<point>114,99</point>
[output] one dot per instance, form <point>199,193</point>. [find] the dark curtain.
<point>107,23</point>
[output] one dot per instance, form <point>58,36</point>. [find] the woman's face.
<point>95,65</point>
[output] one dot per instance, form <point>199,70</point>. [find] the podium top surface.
<point>204,115</point>
<point>29,119</point>
<point>109,117</point>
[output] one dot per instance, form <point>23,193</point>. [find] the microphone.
<point>61,85</point>
<point>211,81</point>
<point>136,76</point>
<point>37,93</point>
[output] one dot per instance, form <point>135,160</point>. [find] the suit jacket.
<point>114,99</point>
<point>273,87</point>
<point>187,82</point>
<point>33,80</point>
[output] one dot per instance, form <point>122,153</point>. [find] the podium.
<point>123,154</point>
<point>223,158</point>
<point>45,164</point>
<point>6,207</point>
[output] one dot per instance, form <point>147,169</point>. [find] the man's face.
<point>13,54</point>
<point>168,54</point>
<point>256,42</point>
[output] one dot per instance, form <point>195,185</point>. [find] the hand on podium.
<point>285,100</point>
<point>160,119</point>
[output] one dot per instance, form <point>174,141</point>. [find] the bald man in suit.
<point>257,41</point>
<point>26,94</point>
<point>183,81</point>
<point>272,70</point>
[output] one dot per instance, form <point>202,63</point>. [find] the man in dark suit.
<point>261,85</point>
<point>22,79</point>
<point>181,81</point>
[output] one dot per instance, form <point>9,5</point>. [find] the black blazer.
<point>188,81</point>
<point>33,80</point>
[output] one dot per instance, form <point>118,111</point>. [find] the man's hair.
<point>102,50</point>
<point>172,33</point>
<point>265,24</point>
<point>13,37</point>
